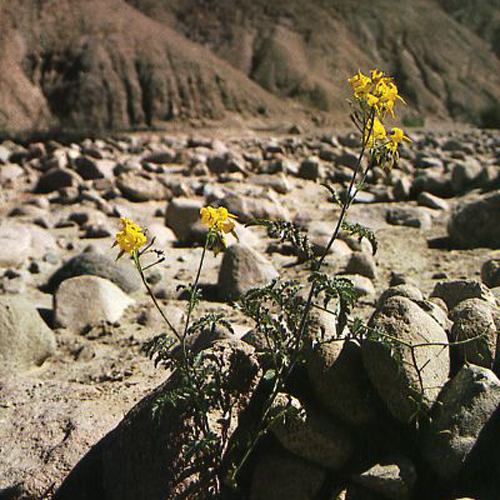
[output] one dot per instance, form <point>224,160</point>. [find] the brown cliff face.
<point>116,64</point>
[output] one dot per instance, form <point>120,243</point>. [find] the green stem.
<point>137,262</point>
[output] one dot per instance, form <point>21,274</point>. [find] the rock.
<point>88,300</point>
<point>56,179</point>
<point>242,269</point>
<point>402,189</point>
<point>453,292</point>
<point>182,216</point>
<point>308,434</point>
<point>338,378</point>
<point>226,162</point>
<point>409,291</point>
<point>462,410</point>
<point>410,217</point>
<point>122,273</point>
<point>142,457</point>
<point>247,208</point>
<point>136,187</point>
<point>473,318</point>
<point>472,225</point>
<point>90,168</point>
<point>431,201</point>
<point>311,169</point>
<point>279,475</point>
<point>278,182</point>
<point>395,480</point>
<point>407,379</point>
<point>363,264</point>
<point>490,273</point>
<point>25,340</point>
<point>363,286</point>
<point>433,181</point>
<point>15,244</point>
<point>161,157</point>
<point>466,175</point>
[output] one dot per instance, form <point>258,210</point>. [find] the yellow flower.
<point>395,138</point>
<point>376,91</point>
<point>361,85</point>
<point>130,237</point>
<point>219,222</point>
<point>218,219</point>
<point>378,132</point>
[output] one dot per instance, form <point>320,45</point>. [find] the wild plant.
<point>282,311</point>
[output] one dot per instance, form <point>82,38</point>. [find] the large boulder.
<point>279,475</point>
<point>242,269</point>
<point>461,412</point>
<point>474,223</point>
<point>122,273</point>
<point>473,319</point>
<point>309,434</point>
<point>142,458</point>
<point>87,300</point>
<point>339,380</point>
<point>25,340</point>
<point>409,362</point>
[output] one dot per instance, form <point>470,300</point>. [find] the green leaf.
<point>361,232</point>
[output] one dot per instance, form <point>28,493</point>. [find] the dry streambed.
<point>72,321</point>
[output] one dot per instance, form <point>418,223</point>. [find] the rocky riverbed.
<point>72,320</point>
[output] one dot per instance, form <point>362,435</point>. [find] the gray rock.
<point>122,273</point>
<point>311,169</point>
<point>409,291</point>
<point>402,189</point>
<point>474,223</point>
<point>363,264</point>
<point>338,378</point>
<point>395,480</point>
<point>248,208</point>
<point>139,188</point>
<point>182,216</point>
<point>410,217</point>
<point>143,457</point>
<point>279,475</point>
<point>363,286</point>
<point>25,340</point>
<point>226,162</point>
<point>90,168</point>
<point>431,201</point>
<point>453,292</point>
<point>308,434</point>
<point>408,379</point>
<point>88,300</point>
<point>490,273</point>
<point>473,318</point>
<point>466,175</point>
<point>161,157</point>
<point>57,178</point>
<point>278,182</point>
<point>15,244</point>
<point>433,181</point>
<point>242,269</point>
<point>462,410</point>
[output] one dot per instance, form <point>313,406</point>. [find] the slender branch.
<point>137,262</point>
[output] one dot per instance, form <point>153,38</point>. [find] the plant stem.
<point>137,262</point>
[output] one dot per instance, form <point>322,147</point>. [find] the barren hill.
<point>119,64</point>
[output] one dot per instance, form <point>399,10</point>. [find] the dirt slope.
<point>118,64</point>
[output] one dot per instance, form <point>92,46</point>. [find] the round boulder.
<point>408,363</point>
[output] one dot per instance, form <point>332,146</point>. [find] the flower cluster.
<point>376,96</point>
<point>219,222</point>
<point>130,237</point>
